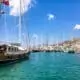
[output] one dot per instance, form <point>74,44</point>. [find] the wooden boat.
<point>11,53</point>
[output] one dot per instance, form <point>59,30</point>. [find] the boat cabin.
<point>11,52</point>
<point>9,48</point>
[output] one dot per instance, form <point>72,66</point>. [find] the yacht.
<point>10,53</point>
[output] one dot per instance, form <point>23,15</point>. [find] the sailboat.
<point>10,52</point>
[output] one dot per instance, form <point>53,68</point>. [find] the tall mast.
<point>47,42</point>
<point>5,25</point>
<point>20,25</point>
<point>28,41</point>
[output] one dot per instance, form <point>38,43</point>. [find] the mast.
<point>20,23</point>
<point>5,25</point>
<point>28,41</point>
<point>1,13</point>
<point>4,3</point>
<point>47,40</point>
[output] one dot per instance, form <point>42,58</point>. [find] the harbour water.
<point>44,66</point>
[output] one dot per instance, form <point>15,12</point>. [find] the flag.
<point>6,2</point>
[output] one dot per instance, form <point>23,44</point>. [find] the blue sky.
<point>35,21</point>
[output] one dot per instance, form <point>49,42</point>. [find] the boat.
<point>70,50</point>
<point>11,52</point>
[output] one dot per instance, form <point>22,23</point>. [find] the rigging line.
<point>0,9</point>
<point>5,25</point>
<point>27,35</point>
<point>20,25</point>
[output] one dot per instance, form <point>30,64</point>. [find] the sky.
<point>54,20</point>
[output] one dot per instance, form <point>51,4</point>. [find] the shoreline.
<point>69,46</point>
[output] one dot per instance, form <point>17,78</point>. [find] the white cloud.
<point>51,16</point>
<point>15,6</point>
<point>77,27</point>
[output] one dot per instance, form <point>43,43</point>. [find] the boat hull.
<point>11,53</point>
<point>13,60</point>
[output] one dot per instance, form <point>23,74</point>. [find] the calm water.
<point>44,66</point>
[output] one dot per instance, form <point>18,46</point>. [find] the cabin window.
<point>9,49</point>
<point>13,49</point>
<point>17,49</point>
